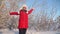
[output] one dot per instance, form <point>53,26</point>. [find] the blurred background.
<point>45,17</point>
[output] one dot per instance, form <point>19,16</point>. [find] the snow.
<point>15,31</point>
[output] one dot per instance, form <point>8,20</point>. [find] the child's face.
<point>24,8</point>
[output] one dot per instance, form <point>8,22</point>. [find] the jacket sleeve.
<point>30,11</point>
<point>14,13</point>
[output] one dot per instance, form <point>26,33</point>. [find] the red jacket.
<point>23,18</point>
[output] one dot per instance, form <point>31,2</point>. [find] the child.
<point>23,19</point>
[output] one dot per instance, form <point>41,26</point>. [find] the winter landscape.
<point>45,19</point>
<point>5,31</point>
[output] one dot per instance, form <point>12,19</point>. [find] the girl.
<point>23,19</point>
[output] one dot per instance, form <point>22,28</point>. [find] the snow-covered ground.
<point>5,31</point>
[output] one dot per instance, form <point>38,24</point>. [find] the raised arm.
<point>14,13</point>
<point>30,11</point>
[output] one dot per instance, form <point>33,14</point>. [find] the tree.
<point>58,23</point>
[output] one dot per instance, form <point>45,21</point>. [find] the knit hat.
<point>25,6</point>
